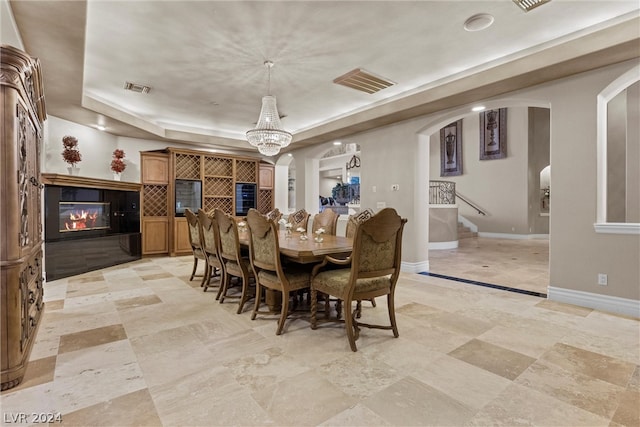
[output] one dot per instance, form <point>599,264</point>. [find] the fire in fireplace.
<point>84,216</point>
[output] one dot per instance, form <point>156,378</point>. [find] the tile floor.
<point>519,264</point>
<point>138,344</point>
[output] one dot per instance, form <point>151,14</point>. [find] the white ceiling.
<point>204,59</point>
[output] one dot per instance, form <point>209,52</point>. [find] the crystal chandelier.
<point>269,136</point>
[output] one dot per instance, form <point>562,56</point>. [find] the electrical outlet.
<point>381,205</point>
<point>373,189</point>
<point>602,279</point>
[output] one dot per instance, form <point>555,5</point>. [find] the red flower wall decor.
<point>71,154</point>
<point>117,164</point>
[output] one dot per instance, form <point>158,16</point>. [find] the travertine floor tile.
<point>521,406</point>
<point>410,402</point>
<point>91,337</point>
<point>506,363</point>
<point>133,409</point>
<point>466,355</point>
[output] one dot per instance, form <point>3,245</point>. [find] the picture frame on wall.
<point>493,134</point>
<point>451,149</point>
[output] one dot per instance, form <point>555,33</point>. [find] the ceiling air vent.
<point>527,5</point>
<point>364,81</point>
<point>134,87</point>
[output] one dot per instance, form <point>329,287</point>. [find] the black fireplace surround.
<point>89,228</point>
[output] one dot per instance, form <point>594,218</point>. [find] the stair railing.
<point>480,211</point>
<point>444,193</point>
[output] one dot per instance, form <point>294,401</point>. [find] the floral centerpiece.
<point>117,164</point>
<point>70,154</point>
<point>287,227</point>
<point>242,226</point>
<point>319,232</point>
<point>303,233</point>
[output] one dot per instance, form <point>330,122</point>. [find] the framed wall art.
<point>493,134</point>
<point>451,149</point>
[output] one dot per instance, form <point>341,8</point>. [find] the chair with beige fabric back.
<point>352,224</point>
<point>264,252</point>
<point>355,219</point>
<point>299,219</point>
<point>209,233</point>
<point>371,271</point>
<point>235,265</point>
<point>328,220</point>
<point>274,215</point>
<point>196,244</point>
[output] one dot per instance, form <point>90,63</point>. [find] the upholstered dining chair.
<point>274,215</point>
<point>352,224</point>
<point>299,219</point>
<point>264,252</point>
<point>355,219</point>
<point>196,244</point>
<point>209,241</point>
<point>371,271</point>
<point>327,219</point>
<point>234,264</point>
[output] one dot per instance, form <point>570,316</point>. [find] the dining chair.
<point>196,244</point>
<point>299,219</point>
<point>274,215</point>
<point>234,264</point>
<point>371,271</point>
<point>355,219</point>
<point>209,242</point>
<point>327,219</point>
<point>264,253</point>
<point>350,231</point>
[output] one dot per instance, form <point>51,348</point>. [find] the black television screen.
<point>188,195</point>
<point>246,198</point>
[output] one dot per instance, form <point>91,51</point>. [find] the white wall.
<point>498,187</point>
<point>577,252</point>
<point>96,148</point>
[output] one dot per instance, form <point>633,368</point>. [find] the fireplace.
<point>83,216</point>
<point>89,224</point>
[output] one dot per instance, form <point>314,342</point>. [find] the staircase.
<point>465,232</point>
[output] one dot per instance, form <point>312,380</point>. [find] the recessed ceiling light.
<point>478,22</point>
<point>478,108</point>
<point>100,127</point>
<point>337,143</point>
<point>289,154</point>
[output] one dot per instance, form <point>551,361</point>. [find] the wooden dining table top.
<point>308,251</point>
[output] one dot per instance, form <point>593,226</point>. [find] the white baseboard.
<point>625,306</point>
<point>512,236</point>
<point>443,245</point>
<point>414,267</point>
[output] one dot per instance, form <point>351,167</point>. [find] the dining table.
<point>294,247</point>
<point>307,251</point>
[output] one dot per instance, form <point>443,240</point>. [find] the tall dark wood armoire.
<point>23,112</point>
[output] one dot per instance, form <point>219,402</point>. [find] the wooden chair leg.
<point>373,302</point>
<point>283,312</point>
<point>205,275</point>
<point>314,308</point>
<point>348,320</point>
<point>392,315</point>
<point>207,278</point>
<point>245,295</point>
<point>256,305</point>
<point>195,266</point>
<point>222,287</point>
